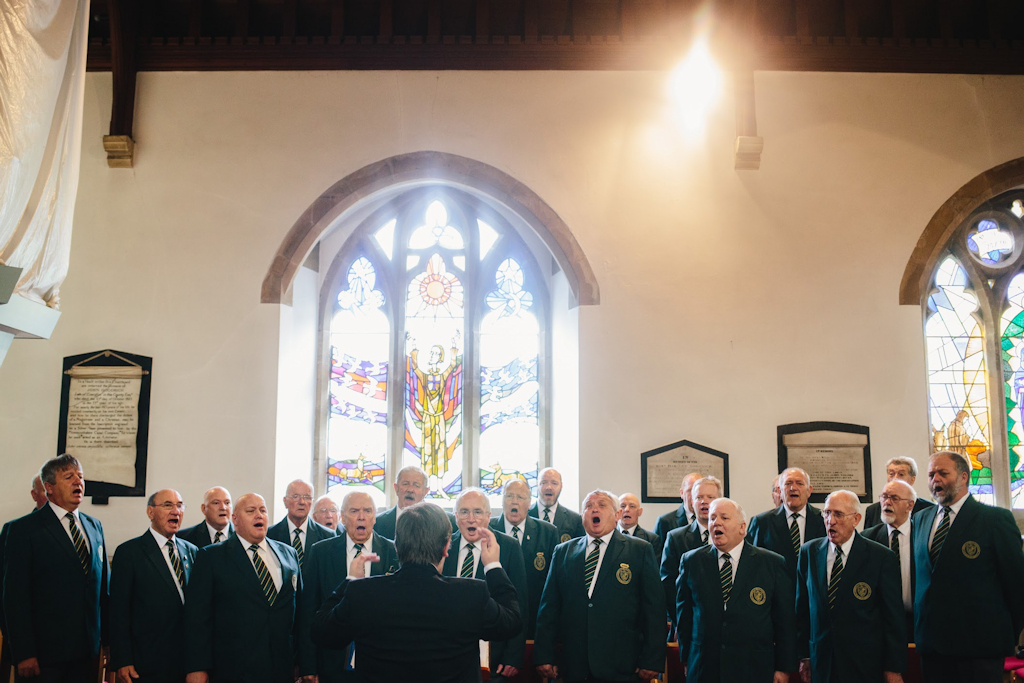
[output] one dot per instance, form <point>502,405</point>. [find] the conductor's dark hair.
<point>421,534</point>
<point>48,472</point>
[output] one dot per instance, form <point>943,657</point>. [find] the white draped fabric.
<point>42,79</point>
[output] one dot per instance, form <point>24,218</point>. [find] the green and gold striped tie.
<point>725,575</point>
<point>80,547</point>
<point>266,582</point>
<point>894,545</point>
<point>515,532</point>
<point>297,544</point>
<point>704,538</point>
<point>467,564</point>
<point>794,533</point>
<point>590,565</point>
<point>179,571</point>
<point>837,573</point>
<point>359,549</point>
<point>547,516</point>
<point>940,535</point>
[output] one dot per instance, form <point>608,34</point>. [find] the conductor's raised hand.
<point>357,570</point>
<point>490,551</point>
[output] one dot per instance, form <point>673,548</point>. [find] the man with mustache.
<point>684,539</point>
<point>549,488</point>
<point>684,514</point>
<point>240,604</point>
<point>850,625</point>
<point>902,469</point>
<point>411,488</point>
<point>969,599</point>
<point>297,529</point>
<point>473,513</point>
<point>601,579</point>
<point>735,607</point>
<point>536,538</point>
<point>784,529</point>
<point>325,512</point>
<point>326,568</point>
<point>147,583</point>
<point>629,521</point>
<point>55,585</point>
<point>216,525</point>
<point>897,533</point>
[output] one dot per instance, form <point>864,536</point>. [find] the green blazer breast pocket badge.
<point>539,562</point>
<point>565,537</point>
<point>624,575</point>
<point>758,596</point>
<point>862,591</point>
<point>971,550</point>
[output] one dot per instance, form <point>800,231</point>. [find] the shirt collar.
<point>213,530</point>
<point>700,527</point>
<point>292,527</point>
<point>61,512</point>
<point>463,543</point>
<point>161,540</point>
<point>845,546</point>
<point>790,513</point>
<point>554,509</point>
<point>631,530</point>
<point>350,544</point>
<point>509,525</point>
<point>604,539</point>
<point>904,528</point>
<point>245,544</point>
<point>734,552</point>
<point>957,505</point>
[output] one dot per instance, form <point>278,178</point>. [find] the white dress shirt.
<point>602,549</point>
<point>350,553</point>
<point>463,549</point>
<point>162,542</point>
<point>302,532</point>
<point>214,531</point>
<point>801,520</point>
<point>551,514</point>
<point>522,529</point>
<point>269,559</point>
<point>61,512</point>
<point>631,531</point>
<point>954,511</point>
<point>830,557</point>
<point>904,530</point>
<point>734,560</point>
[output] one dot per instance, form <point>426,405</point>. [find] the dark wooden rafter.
<point>119,144</point>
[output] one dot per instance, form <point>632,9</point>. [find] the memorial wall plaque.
<point>662,469</point>
<point>835,455</point>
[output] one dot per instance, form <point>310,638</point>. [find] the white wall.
<point>731,301</point>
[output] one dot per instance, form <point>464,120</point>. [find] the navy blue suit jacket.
<point>672,520</point>
<point>199,535</point>
<point>569,523</point>
<point>770,530</point>
<point>680,541</point>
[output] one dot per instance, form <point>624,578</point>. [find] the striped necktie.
<point>80,547</point>
<point>704,538</point>
<point>359,550</point>
<point>837,573</point>
<point>894,545</point>
<point>590,565</point>
<point>547,516</point>
<point>940,535</point>
<point>176,564</point>
<point>263,574</point>
<point>515,532</point>
<point>218,536</point>
<point>467,564</point>
<point>725,575</point>
<point>794,532</point>
<point>297,544</point>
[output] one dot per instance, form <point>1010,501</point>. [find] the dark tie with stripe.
<point>547,516</point>
<point>704,538</point>
<point>467,564</point>
<point>837,573</point>
<point>940,535</point>
<point>894,545</point>
<point>176,564</point>
<point>725,574</point>
<point>80,547</point>
<point>515,532</point>
<point>359,549</point>
<point>590,565</point>
<point>794,533</point>
<point>263,574</point>
<point>218,536</point>
<point>297,544</point>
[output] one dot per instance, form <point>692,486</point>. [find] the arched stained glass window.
<point>974,333</point>
<point>466,331</point>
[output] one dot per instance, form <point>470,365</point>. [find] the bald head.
<point>298,498</point>
<point>165,510</point>
<point>251,518</point>
<point>842,515</point>
<point>216,507</point>
<point>325,512</point>
<point>549,486</point>
<point>630,511</point>
<point>472,513</point>
<point>515,501</point>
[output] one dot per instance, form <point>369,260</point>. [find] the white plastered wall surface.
<point>731,302</point>
<point>42,62</point>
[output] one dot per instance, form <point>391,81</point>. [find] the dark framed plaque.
<point>836,455</point>
<point>663,469</point>
<point>104,420</point>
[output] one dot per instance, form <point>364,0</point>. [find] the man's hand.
<point>490,551</point>
<point>647,674</point>
<point>357,570</point>
<point>549,671</point>
<point>780,677</point>
<point>506,671</point>
<point>310,679</point>
<point>892,677</point>
<point>126,673</point>
<point>29,668</point>
<point>805,670</point>
<point>197,677</point>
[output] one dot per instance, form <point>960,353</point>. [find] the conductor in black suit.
<point>147,586</point>
<point>326,568</point>
<point>536,538</point>
<point>969,599</point>
<point>298,529</point>
<point>240,604</point>
<point>549,488</point>
<point>411,488</point>
<point>684,539</point>
<point>416,625</point>
<point>473,512</point>
<point>596,582</point>
<point>216,524</point>
<point>55,583</point>
<point>630,512</point>
<point>735,606</point>
<point>897,469</point>
<point>683,515</point>
<point>896,532</point>
<point>850,624</point>
<point>787,527</point>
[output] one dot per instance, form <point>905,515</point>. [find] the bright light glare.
<point>695,86</point>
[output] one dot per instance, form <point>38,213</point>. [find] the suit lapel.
<point>56,528</point>
<point>91,531</point>
<point>610,563</point>
<point>851,568</point>
<point>747,569</point>
<point>186,561</point>
<point>711,583</point>
<point>287,570</point>
<point>529,538</point>
<point>959,530</point>
<point>782,529</point>
<point>925,531</point>
<point>819,567</point>
<point>155,555</point>
<point>681,517</point>
<point>576,560</point>
<point>240,554</point>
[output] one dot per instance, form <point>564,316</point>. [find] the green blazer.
<point>618,630</point>
<point>326,568</point>
<point>569,523</point>
<point>971,602</point>
<point>538,546</point>
<point>231,630</point>
<point>750,640</point>
<point>511,651</point>
<point>864,634</point>
<point>680,541</point>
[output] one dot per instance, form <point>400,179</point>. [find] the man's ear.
<point>447,547</point>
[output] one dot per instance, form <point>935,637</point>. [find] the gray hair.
<point>421,533</point>
<point>913,493</point>
<point>909,462</point>
<point>739,508</point>
<point>963,465</point>
<point>510,482</point>
<point>852,499</point>
<point>468,491</point>
<point>48,472</point>
<point>711,480</point>
<point>411,468</point>
<point>782,475</point>
<point>316,503</point>
<point>607,494</point>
